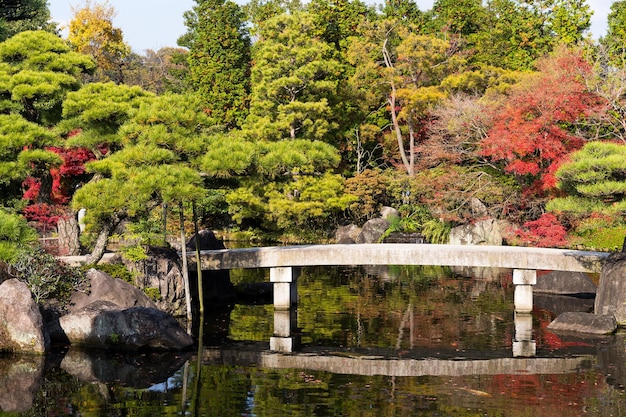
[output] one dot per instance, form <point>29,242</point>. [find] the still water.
<point>416,341</point>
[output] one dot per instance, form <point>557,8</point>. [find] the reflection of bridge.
<point>285,262</point>
<point>378,365</point>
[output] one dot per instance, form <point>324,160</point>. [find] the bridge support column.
<point>524,279</point>
<point>286,338</point>
<point>523,343</point>
<point>285,286</point>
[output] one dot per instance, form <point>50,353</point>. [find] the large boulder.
<point>575,322</point>
<point>103,324</point>
<point>218,290</point>
<point>103,287</point>
<point>161,271</point>
<point>21,323</point>
<point>611,294</point>
<point>565,283</point>
<point>347,234</point>
<point>483,232</point>
<point>373,230</point>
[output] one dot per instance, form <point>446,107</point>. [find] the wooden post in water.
<point>198,264</point>
<point>183,245</point>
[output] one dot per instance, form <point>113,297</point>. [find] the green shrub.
<point>47,277</point>
<point>153,293</point>
<point>15,236</point>
<point>600,233</point>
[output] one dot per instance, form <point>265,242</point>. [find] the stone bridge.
<point>285,262</point>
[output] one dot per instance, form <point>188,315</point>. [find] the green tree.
<point>280,186</point>
<point>94,114</point>
<point>337,20</point>
<point>517,32</point>
<point>456,17</point>
<point>615,38</point>
<point>258,11</point>
<point>399,68</point>
<point>569,21</point>
<point>15,236</point>
<point>157,165</point>
<point>294,81</point>
<point>91,32</point>
<point>37,70</point>
<point>219,58</point>
<point>22,15</point>
<point>405,11</point>
<point>22,154</point>
<point>594,180</point>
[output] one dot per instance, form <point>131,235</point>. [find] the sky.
<point>154,24</point>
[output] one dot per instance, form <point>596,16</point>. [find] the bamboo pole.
<point>183,244</point>
<point>198,268</point>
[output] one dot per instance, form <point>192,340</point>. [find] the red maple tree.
<point>45,210</point>
<point>533,131</point>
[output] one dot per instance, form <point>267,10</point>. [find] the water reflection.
<point>407,342</point>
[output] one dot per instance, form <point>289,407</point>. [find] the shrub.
<point>47,277</point>
<point>545,232</point>
<point>15,236</point>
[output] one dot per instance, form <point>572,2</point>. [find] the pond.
<point>393,341</point>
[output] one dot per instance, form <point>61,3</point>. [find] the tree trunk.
<point>68,231</point>
<point>103,239</point>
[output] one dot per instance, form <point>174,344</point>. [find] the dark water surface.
<point>414,341</point>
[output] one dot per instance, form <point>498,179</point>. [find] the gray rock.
<point>103,287</point>
<point>565,282</point>
<point>20,381</point>
<point>218,290</point>
<point>373,230</point>
<point>21,323</point>
<point>478,208</point>
<point>162,270</point>
<point>484,232</point>
<point>611,295</point>
<point>103,324</point>
<point>389,212</point>
<point>584,323</point>
<point>558,304</point>
<point>347,234</point>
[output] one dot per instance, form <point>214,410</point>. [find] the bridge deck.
<point>360,365</point>
<point>402,254</point>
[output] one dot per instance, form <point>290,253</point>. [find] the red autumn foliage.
<point>64,181</point>
<point>532,134</point>
<point>546,232</point>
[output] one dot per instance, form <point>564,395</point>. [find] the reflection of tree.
<point>425,306</point>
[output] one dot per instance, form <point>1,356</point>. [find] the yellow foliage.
<point>91,32</point>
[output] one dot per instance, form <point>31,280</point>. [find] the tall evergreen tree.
<point>21,15</point>
<point>615,39</point>
<point>219,58</point>
<point>517,32</point>
<point>295,79</point>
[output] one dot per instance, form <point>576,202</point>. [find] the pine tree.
<point>295,79</point>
